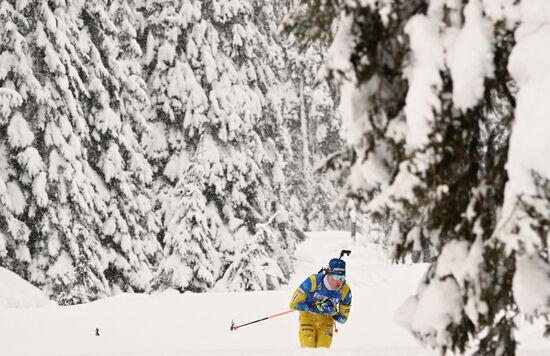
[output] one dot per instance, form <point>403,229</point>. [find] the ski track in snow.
<point>172,324</point>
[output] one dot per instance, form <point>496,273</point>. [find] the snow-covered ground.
<point>172,324</point>
<point>17,293</point>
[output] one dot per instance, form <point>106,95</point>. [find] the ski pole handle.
<point>235,327</point>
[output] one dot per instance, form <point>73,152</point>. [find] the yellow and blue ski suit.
<point>317,327</point>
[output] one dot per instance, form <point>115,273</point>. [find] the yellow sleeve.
<point>344,307</point>
<point>297,298</point>
<point>308,286</point>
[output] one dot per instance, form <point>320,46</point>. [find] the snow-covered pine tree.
<point>208,76</point>
<point>420,82</point>
<point>284,228</point>
<point>253,266</point>
<point>323,201</point>
<point>81,101</point>
<point>51,179</point>
<point>16,137</point>
<point>179,102</point>
<point>273,128</point>
<point>116,109</point>
<point>81,286</point>
<point>190,262</point>
<point>311,118</point>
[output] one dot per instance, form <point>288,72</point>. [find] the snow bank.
<point>18,293</point>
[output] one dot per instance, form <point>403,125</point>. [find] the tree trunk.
<point>305,137</point>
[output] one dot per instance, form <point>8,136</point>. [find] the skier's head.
<point>337,267</point>
<point>336,273</point>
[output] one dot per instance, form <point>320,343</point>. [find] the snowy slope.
<point>198,324</point>
<point>18,293</point>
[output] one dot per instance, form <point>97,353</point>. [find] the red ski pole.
<point>235,327</point>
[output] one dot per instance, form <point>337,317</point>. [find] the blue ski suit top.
<point>314,297</point>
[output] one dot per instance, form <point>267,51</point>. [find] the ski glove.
<point>325,307</point>
<point>343,313</point>
<point>340,318</point>
<point>302,306</point>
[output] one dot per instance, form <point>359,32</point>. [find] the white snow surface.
<point>18,293</point>
<point>173,324</point>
